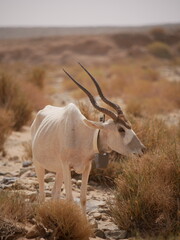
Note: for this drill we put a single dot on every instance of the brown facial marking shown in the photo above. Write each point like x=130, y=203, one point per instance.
x=121, y=119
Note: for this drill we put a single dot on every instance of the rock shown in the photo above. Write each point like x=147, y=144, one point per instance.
x=3, y=174
x=15, y=174
x=93, y=223
x=9, y=180
x=107, y=226
x=27, y=164
x=79, y=182
x=4, y=186
x=97, y=216
x=23, y=170
x=29, y=173
x=102, y=204
x=104, y=217
x=49, y=177
x=100, y=233
x=14, y=158
x=25, y=183
x=48, y=193
x=33, y=232
x=29, y=194
x=117, y=234
x=90, y=188
x=92, y=204
x=106, y=211
x=95, y=184
x=74, y=181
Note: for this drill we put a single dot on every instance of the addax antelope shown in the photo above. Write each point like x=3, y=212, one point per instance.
x=63, y=139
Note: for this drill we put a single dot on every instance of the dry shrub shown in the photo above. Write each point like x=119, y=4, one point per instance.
x=155, y=134
x=10, y=231
x=106, y=177
x=88, y=110
x=35, y=96
x=169, y=237
x=6, y=123
x=148, y=190
x=63, y=220
x=14, y=206
x=169, y=37
x=158, y=34
x=14, y=99
x=37, y=77
x=92, y=47
x=151, y=74
x=145, y=97
x=28, y=150
x=126, y=40
x=160, y=49
x=135, y=108
x=84, y=79
x=22, y=111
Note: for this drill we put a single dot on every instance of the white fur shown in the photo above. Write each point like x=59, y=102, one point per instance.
x=62, y=139
x=129, y=134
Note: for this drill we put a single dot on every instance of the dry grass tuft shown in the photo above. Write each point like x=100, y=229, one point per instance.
x=13, y=206
x=88, y=110
x=35, y=96
x=22, y=111
x=148, y=190
x=6, y=123
x=63, y=220
x=13, y=98
x=37, y=77
x=106, y=177
x=28, y=150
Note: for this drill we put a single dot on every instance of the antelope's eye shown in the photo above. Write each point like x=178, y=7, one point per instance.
x=121, y=130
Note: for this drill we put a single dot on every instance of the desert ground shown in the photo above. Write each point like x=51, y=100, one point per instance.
x=140, y=71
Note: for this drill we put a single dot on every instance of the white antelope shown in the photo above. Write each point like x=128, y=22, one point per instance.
x=63, y=139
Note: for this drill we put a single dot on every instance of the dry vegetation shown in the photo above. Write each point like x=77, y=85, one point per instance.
x=59, y=220
x=18, y=98
x=64, y=220
x=147, y=195
x=5, y=126
x=159, y=49
x=146, y=198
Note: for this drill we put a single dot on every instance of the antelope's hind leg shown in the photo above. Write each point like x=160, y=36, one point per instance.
x=57, y=185
x=67, y=181
x=40, y=172
x=85, y=177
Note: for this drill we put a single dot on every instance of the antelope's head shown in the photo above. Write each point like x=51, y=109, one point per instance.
x=117, y=131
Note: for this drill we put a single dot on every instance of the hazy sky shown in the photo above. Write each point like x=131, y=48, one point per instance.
x=88, y=12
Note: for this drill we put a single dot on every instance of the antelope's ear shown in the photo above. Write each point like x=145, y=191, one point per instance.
x=92, y=124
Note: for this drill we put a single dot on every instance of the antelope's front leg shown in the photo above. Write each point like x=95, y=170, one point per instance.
x=85, y=176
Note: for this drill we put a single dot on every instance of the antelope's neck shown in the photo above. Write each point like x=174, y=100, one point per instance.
x=100, y=142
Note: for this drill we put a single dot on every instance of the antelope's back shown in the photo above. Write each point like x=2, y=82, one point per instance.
x=54, y=131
